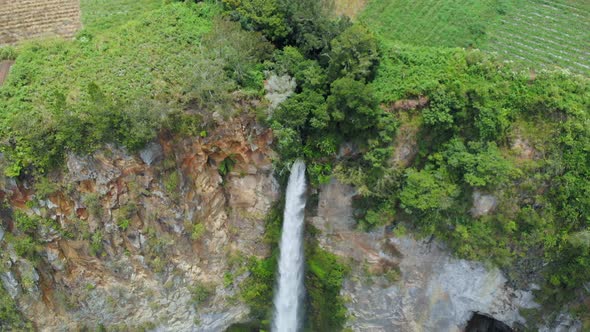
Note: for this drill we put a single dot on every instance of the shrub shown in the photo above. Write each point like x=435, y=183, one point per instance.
x=201, y=293
x=123, y=224
x=96, y=243
x=26, y=223
x=24, y=246
x=10, y=316
x=428, y=190
x=197, y=231
x=44, y=187
x=93, y=204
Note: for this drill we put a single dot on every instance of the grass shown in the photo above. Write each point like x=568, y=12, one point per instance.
x=124, y=61
x=532, y=33
x=433, y=22
x=104, y=14
x=136, y=70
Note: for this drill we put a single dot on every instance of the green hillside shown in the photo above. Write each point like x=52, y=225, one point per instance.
x=534, y=33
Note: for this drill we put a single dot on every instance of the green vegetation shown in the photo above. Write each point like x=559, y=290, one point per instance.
x=257, y=290
x=98, y=15
x=485, y=126
x=123, y=224
x=197, y=231
x=96, y=243
x=471, y=138
x=201, y=293
x=93, y=204
x=121, y=85
x=226, y=165
x=323, y=280
x=534, y=33
x=10, y=317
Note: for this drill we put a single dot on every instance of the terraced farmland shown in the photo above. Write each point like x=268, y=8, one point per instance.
x=534, y=33
x=547, y=32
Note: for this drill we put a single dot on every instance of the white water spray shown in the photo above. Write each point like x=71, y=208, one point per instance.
x=287, y=301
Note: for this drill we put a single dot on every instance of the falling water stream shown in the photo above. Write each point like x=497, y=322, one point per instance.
x=288, y=298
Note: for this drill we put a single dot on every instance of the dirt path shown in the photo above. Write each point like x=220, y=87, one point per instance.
x=349, y=8
x=4, y=68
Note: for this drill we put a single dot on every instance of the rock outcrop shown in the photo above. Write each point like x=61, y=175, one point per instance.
x=154, y=240
x=399, y=283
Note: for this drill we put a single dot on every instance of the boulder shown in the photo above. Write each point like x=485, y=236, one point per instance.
x=10, y=284
x=278, y=89
x=152, y=153
x=483, y=204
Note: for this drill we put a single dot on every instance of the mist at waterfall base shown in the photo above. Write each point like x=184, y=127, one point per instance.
x=290, y=293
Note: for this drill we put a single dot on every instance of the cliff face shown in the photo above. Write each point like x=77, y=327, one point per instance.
x=152, y=240
x=398, y=283
x=160, y=239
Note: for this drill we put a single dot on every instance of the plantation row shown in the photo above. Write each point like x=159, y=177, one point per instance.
x=534, y=33
x=545, y=33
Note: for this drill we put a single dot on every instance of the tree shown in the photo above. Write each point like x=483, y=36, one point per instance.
x=308, y=73
x=480, y=164
x=238, y=50
x=354, y=54
x=306, y=106
x=428, y=191
x=260, y=15
x=312, y=26
x=352, y=107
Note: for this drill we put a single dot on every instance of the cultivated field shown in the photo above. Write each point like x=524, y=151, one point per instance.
x=549, y=32
x=536, y=33
x=433, y=22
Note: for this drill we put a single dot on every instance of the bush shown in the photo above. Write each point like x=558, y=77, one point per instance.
x=201, y=293
x=197, y=231
x=25, y=223
x=323, y=281
x=354, y=54
x=93, y=204
x=10, y=316
x=123, y=224
x=25, y=246
x=428, y=190
x=44, y=188
x=96, y=243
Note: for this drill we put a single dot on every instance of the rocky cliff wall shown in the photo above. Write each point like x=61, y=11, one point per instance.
x=25, y=19
x=398, y=283
x=155, y=240
x=160, y=240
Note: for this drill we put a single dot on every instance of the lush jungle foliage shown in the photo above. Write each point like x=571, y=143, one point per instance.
x=332, y=61
x=485, y=128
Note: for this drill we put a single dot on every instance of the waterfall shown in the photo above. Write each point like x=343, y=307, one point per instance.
x=288, y=298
